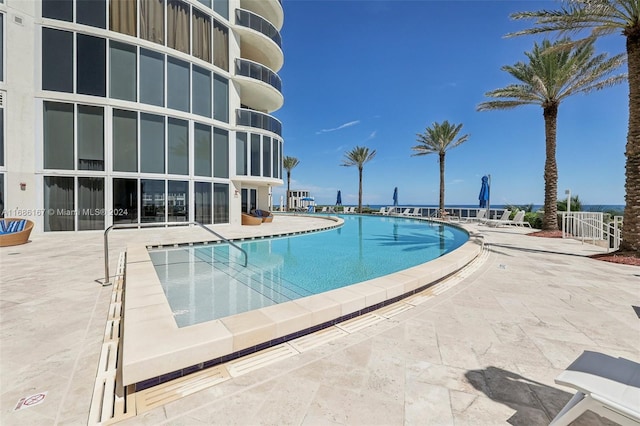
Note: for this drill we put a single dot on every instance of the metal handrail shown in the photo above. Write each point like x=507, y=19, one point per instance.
x=155, y=225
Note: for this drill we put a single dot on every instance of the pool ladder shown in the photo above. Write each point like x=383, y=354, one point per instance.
x=156, y=225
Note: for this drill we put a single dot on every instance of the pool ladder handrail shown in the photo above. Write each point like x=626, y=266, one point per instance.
x=156, y=225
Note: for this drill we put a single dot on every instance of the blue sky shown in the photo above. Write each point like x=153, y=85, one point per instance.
x=375, y=73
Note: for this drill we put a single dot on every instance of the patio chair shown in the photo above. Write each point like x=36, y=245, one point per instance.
x=605, y=385
x=516, y=221
x=479, y=217
x=382, y=211
x=501, y=220
x=248, y=219
x=14, y=231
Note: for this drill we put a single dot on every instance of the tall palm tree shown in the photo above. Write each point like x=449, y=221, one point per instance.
x=606, y=17
x=289, y=163
x=358, y=156
x=551, y=75
x=438, y=139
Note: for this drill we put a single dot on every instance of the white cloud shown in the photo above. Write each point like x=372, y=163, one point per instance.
x=340, y=127
x=372, y=135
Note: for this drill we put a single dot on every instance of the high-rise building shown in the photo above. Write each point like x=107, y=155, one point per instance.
x=136, y=111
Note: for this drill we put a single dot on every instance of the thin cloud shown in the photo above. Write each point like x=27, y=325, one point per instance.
x=372, y=135
x=342, y=126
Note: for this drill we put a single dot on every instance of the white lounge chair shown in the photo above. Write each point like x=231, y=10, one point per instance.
x=480, y=215
x=496, y=222
x=516, y=221
x=605, y=385
x=383, y=211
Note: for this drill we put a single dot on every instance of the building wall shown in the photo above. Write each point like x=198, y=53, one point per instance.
x=95, y=134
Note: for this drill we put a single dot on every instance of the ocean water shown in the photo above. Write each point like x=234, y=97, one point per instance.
x=536, y=207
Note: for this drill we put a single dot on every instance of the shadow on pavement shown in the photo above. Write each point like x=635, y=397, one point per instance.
x=534, y=403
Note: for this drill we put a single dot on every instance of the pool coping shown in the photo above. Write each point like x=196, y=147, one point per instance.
x=156, y=350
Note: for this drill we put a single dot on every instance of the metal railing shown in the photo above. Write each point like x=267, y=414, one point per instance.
x=259, y=120
x=249, y=19
x=251, y=69
x=157, y=225
x=590, y=226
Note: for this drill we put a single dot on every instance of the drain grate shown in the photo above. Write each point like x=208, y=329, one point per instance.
x=358, y=323
x=157, y=396
x=316, y=339
x=260, y=359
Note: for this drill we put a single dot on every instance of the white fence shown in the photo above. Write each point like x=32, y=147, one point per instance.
x=591, y=226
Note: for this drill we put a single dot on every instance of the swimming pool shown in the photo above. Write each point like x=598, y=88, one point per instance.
x=207, y=282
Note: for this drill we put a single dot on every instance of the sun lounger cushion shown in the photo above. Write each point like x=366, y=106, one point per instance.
x=12, y=227
x=606, y=385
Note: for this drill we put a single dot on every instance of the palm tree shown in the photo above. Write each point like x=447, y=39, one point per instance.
x=438, y=139
x=289, y=163
x=358, y=156
x=551, y=75
x=606, y=17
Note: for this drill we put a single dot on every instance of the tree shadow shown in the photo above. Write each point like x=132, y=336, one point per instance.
x=534, y=403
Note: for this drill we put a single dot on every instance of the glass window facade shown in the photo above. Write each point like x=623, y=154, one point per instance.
x=92, y=12
x=125, y=141
x=122, y=75
x=58, y=203
x=255, y=155
x=178, y=201
x=125, y=200
x=177, y=84
x=152, y=200
x=221, y=98
x=220, y=153
x=123, y=17
x=90, y=138
x=166, y=150
x=57, y=60
x=151, y=143
x=58, y=135
x=202, y=202
x=91, y=209
x=152, y=20
x=201, y=91
x=91, y=65
x=202, y=150
x=58, y=9
x=241, y=154
x=220, y=203
x=178, y=146
x=178, y=21
x=152, y=85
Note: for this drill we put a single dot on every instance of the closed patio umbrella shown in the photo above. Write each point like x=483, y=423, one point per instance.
x=484, y=192
x=395, y=197
x=339, y=198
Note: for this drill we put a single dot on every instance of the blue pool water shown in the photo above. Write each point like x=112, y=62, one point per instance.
x=207, y=282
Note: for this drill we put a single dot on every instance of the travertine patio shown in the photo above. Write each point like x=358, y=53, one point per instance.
x=484, y=352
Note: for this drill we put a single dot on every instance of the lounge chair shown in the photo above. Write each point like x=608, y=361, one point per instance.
x=248, y=219
x=411, y=211
x=14, y=231
x=480, y=215
x=382, y=211
x=497, y=222
x=517, y=219
x=605, y=385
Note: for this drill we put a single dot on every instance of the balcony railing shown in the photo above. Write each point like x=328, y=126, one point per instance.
x=251, y=20
x=259, y=120
x=259, y=72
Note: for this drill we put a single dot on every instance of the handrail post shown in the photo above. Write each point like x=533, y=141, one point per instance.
x=156, y=224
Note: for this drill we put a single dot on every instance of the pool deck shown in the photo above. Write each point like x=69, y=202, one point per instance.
x=485, y=351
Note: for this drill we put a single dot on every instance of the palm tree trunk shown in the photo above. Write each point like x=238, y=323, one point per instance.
x=550, y=220
x=441, y=204
x=288, y=190
x=360, y=190
x=631, y=225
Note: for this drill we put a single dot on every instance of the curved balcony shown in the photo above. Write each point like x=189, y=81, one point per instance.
x=271, y=10
x=258, y=120
x=261, y=89
x=260, y=41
